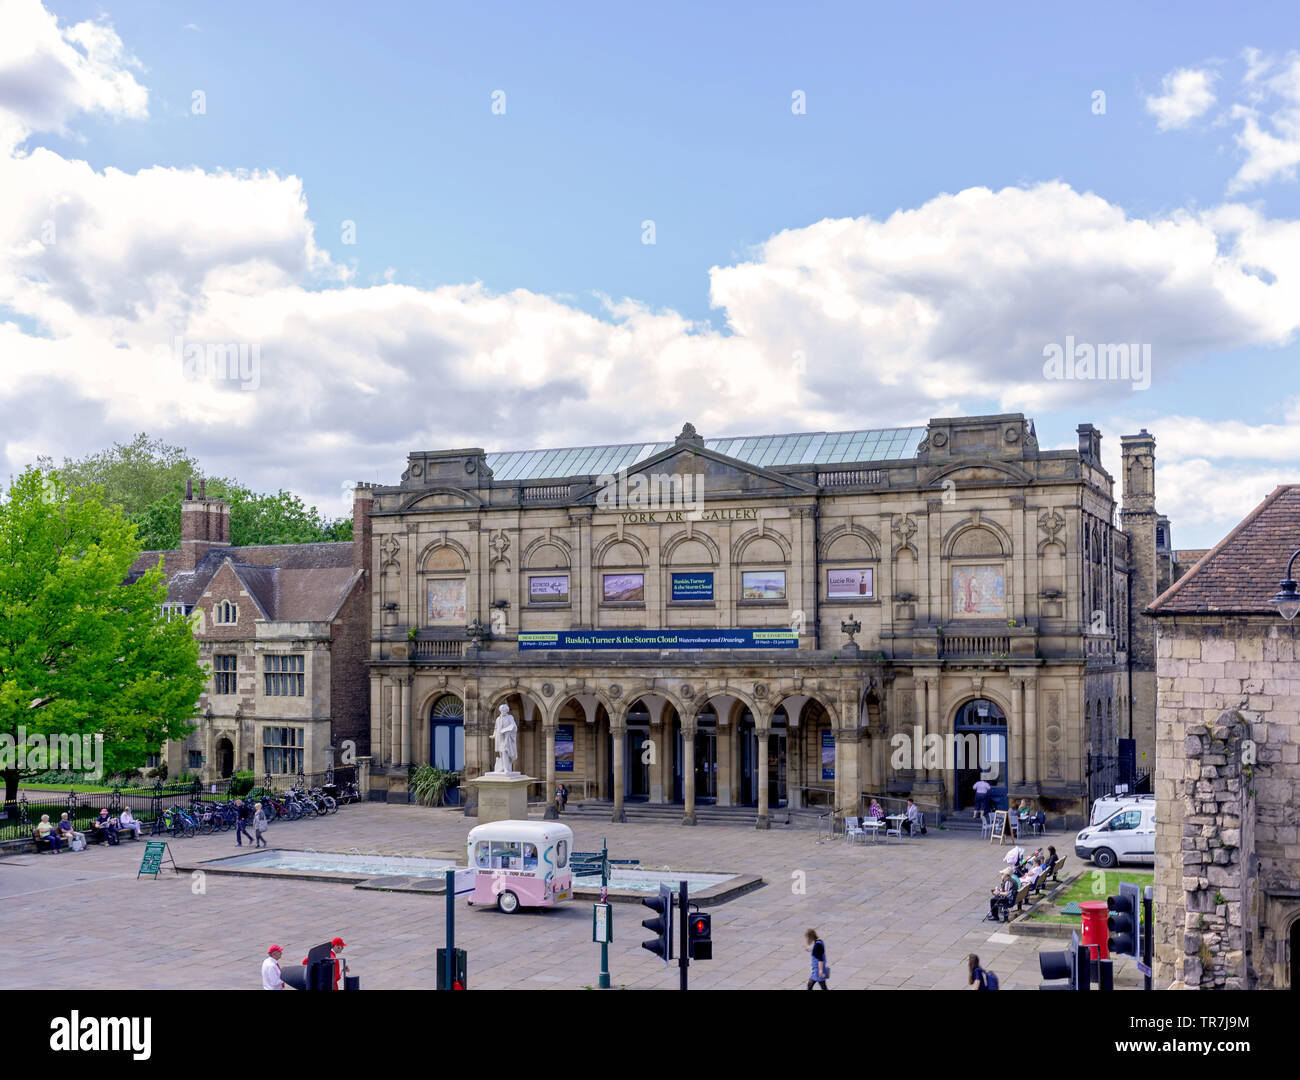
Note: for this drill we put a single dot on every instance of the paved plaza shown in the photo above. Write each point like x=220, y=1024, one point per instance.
x=898, y=916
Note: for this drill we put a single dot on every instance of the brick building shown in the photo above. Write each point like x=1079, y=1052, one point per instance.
x=284, y=630
x=1227, y=886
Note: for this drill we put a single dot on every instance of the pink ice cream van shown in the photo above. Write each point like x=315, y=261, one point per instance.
x=520, y=864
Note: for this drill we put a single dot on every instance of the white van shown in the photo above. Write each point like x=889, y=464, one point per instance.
x=1108, y=804
x=1128, y=835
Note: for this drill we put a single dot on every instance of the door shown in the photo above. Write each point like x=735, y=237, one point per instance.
x=447, y=740
x=637, y=780
x=776, y=790
x=225, y=758
x=980, y=750
x=706, y=766
x=1120, y=834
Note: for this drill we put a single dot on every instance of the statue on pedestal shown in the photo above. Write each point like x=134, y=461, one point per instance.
x=503, y=737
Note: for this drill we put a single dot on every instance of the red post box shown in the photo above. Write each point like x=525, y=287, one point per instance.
x=1095, y=931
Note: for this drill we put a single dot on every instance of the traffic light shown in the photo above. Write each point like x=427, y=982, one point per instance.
x=701, y=936
x=661, y=925
x=1070, y=964
x=1123, y=921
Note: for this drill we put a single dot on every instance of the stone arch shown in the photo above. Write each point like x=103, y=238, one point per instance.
x=744, y=542
x=601, y=552
x=426, y=702
x=441, y=498
x=842, y=536
x=826, y=704
x=535, y=551
x=632, y=694
x=984, y=693
x=563, y=697
x=525, y=693
x=443, y=544
x=668, y=552
x=705, y=694
x=976, y=537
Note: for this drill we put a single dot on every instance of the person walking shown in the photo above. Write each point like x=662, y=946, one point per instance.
x=241, y=822
x=259, y=825
x=821, y=970
x=982, y=789
x=272, y=979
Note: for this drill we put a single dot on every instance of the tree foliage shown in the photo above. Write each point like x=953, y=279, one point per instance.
x=80, y=651
x=146, y=478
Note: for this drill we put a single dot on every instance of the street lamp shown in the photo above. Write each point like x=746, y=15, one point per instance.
x=1288, y=597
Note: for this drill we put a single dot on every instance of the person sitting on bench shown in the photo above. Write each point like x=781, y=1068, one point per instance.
x=45, y=831
x=1003, y=897
x=129, y=823
x=106, y=827
x=70, y=836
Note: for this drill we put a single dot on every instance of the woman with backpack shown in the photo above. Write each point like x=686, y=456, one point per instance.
x=821, y=970
x=986, y=979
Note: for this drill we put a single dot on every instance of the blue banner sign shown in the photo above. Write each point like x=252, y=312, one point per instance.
x=692, y=587
x=658, y=639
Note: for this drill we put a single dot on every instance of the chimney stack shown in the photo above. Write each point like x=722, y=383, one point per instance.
x=205, y=524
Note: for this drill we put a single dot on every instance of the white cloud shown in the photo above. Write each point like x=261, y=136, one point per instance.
x=1186, y=94
x=48, y=75
x=1269, y=140
x=935, y=310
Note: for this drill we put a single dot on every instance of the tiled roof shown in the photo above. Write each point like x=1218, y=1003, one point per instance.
x=289, y=582
x=803, y=448
x=1240, y=574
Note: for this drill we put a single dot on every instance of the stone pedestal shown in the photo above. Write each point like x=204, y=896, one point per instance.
x=502, y=796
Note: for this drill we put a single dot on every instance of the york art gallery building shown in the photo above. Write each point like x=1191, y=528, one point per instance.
x=667, y=621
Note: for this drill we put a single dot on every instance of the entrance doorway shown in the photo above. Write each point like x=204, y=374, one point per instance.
x=980, y=749
x=225, y=758
x=750, y=762
x=1295, y=953
x=447, y=739
x=706, y=760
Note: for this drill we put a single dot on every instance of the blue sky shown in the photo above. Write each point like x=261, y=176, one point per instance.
x=682, y=115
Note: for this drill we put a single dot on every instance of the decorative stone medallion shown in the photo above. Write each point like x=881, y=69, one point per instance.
x=687, y=691
x=547, y=689
x=615, y=690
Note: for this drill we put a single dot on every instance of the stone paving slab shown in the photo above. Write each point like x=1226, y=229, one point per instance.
x=902, y=915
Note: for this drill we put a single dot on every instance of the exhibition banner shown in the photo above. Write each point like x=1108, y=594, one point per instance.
x=693, y=638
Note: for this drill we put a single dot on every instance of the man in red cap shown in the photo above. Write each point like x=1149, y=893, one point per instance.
x=271, y=978
x=337, y=945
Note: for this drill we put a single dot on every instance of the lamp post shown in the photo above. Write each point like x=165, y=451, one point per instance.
x=1288, y=596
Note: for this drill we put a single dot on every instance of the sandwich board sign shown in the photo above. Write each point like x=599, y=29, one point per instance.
x=151, y=862
x=999, y=826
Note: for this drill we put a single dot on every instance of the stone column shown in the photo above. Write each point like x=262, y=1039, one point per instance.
x=762, y=729
x=688, y=770
x=1031, y=731
x=1016, y=739
x=406, y=721
x=395, y=722
x=931, y=723
x=618, y=742
x=548, y=729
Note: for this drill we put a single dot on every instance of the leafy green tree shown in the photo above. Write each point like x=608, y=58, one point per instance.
x=146, y=477
x=81, y=652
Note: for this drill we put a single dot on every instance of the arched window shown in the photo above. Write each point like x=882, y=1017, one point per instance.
x=227, y=613
x=447, y=733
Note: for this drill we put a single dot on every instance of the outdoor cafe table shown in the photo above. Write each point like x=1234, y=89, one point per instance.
x=898, y=820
